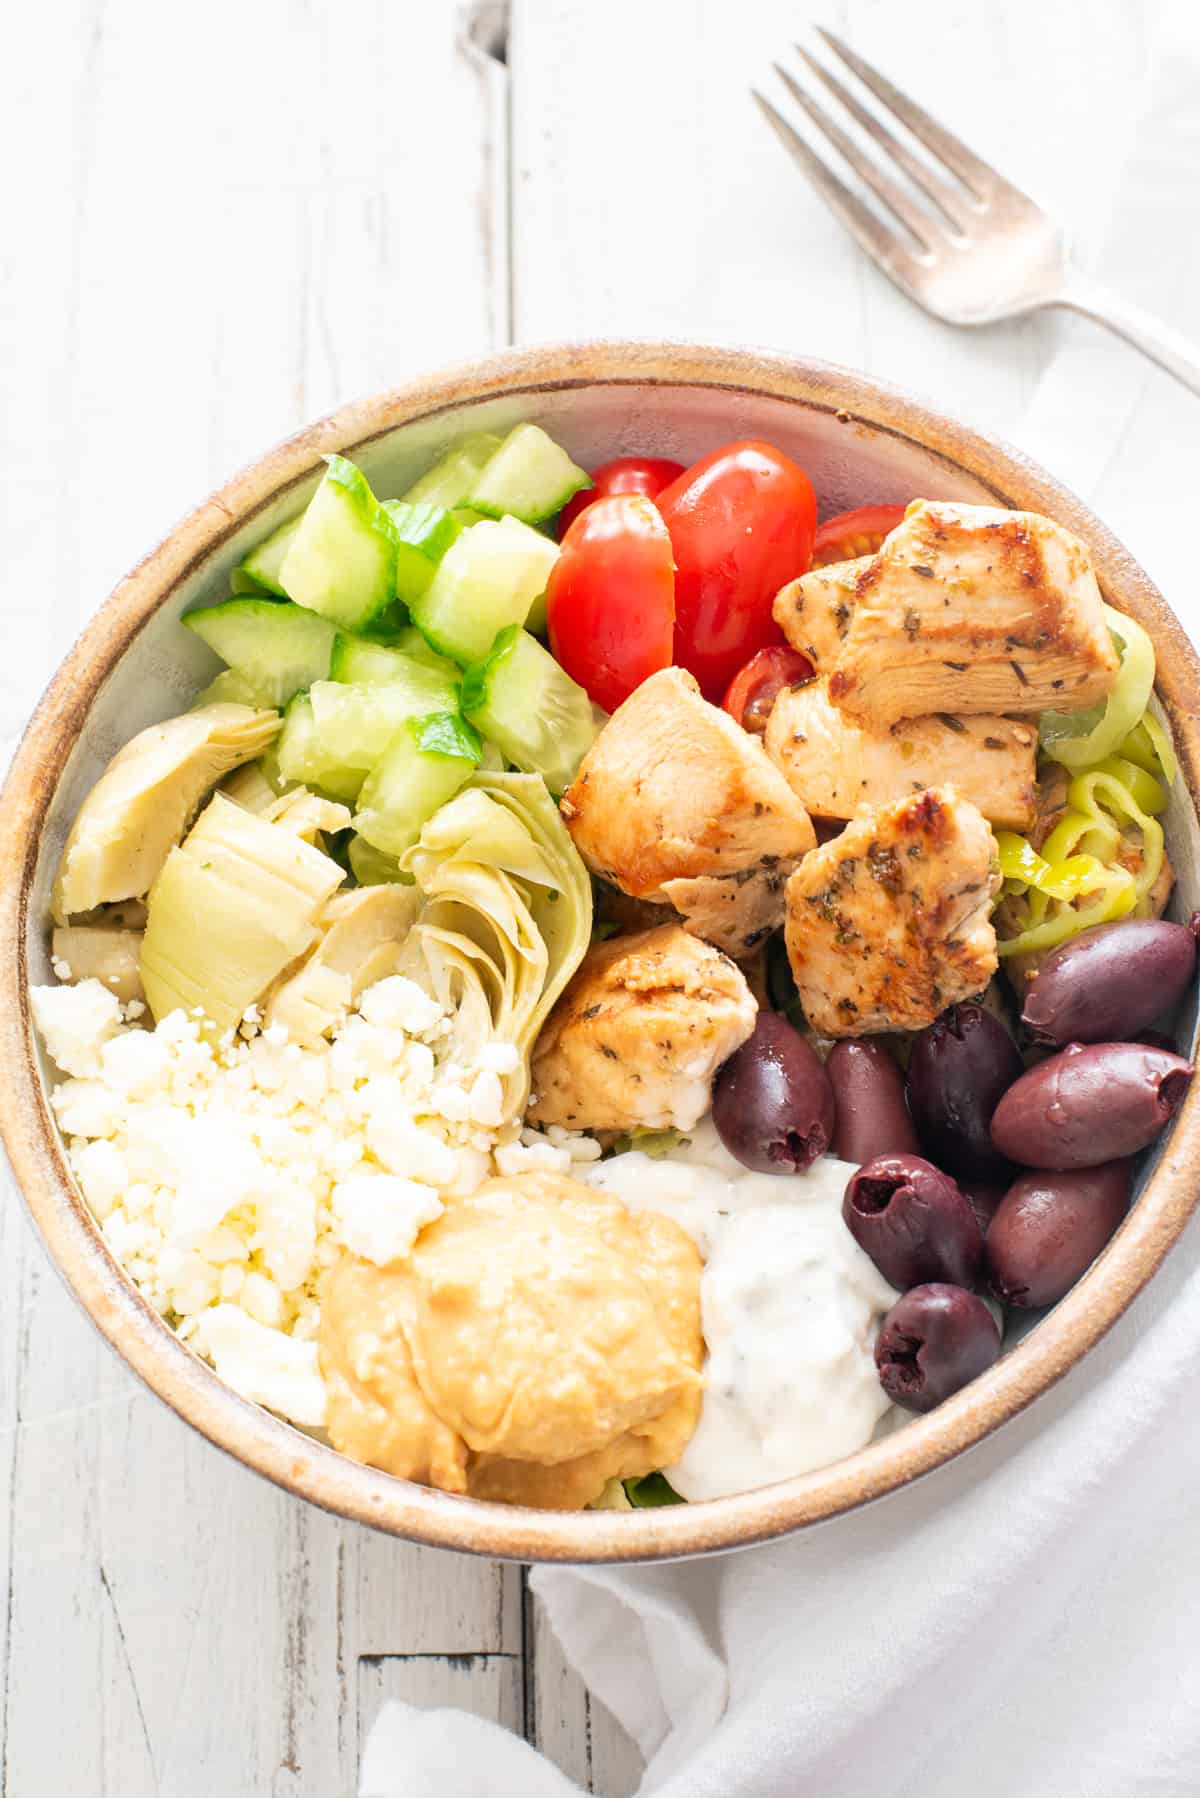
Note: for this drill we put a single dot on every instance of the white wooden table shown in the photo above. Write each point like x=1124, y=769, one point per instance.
x=219, y=222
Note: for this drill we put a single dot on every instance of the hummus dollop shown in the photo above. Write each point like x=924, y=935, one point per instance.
x=537, y=1341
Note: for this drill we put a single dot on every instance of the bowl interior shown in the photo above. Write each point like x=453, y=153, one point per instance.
x=851, y=460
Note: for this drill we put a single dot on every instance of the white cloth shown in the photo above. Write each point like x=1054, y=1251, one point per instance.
x=1025, y=1620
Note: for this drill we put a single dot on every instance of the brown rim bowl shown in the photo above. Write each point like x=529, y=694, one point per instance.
x=861, y=441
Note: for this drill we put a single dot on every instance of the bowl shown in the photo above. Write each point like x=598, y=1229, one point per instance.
x=860, y=440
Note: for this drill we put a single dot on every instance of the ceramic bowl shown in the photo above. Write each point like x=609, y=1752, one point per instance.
x=859, y=441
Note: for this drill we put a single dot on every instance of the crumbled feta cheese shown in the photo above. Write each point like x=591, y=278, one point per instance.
x=135, y=1062
x=380, y=1216
x=499, y=1058
x=75, y=1022
x=264, y=1365
x=487, y=1100
x=101, y=1171
x=399, y=1004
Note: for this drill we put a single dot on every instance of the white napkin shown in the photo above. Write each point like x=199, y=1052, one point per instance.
x=1026, y=1619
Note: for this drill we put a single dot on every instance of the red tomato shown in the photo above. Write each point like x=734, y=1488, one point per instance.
x=755, y=688
x=857, y=533
x=628, y=474
x=610, y=604
x=742, y=521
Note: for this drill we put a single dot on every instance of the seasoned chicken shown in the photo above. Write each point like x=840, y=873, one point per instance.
x=835, y=765
x=674, y=802
x=814, y=611
x=889, y=924
x=637, y=1036
x=965, y=609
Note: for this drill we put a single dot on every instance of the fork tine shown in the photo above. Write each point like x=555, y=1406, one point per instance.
x=972, y=171
x=913, y=217
x=879, y=243
x=951, y=203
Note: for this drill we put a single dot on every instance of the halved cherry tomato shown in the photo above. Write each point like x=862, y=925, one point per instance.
x=857, y=533
x=742, y=522
x=755, y=688
x=610, y=604
x=627, y=474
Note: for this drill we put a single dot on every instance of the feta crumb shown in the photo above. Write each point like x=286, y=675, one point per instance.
x=62, y=968
x=487, y=1100
x=101, y=1171
x=499, y=1058
x=75, y=1022
x=380, y=1216
x=399, y=1004
x=135, y=1009
x=264, y=1365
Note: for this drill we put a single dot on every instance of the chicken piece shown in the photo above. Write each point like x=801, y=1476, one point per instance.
x=636, y=1038
x=889, y=924
x=144, y=801
x=814, y=611
x=835, y=765
x=965, y=609
x=675, y=802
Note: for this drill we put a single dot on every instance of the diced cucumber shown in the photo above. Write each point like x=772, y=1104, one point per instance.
x=423, y=533
x=426, y=765
x=529, y=477
x=354, y=726
x=521, y=699
x=231, y=688
x=536, y=623
x=297, y=758
x=361, y=660
x=259, y=572
x=342, y=560
x=450, y=479
x=276, y=646
x=488, y=580
x=371, y=867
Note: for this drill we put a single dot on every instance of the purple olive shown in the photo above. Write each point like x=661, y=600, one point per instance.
x=872, y=1112
x=1049, y=1229
x=1108, y=983
x=913, y=1222
x=1090, y=1104
x=932, y=1342
x=772, y=1104
x=959, y=1068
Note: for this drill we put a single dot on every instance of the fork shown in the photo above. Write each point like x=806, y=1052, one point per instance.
x=979, y=250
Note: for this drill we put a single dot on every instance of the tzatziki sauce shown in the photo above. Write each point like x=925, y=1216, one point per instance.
x=790, y=1306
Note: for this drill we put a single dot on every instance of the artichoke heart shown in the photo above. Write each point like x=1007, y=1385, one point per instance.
x=146, y=798
x=364, y=932
x=102, y=952
x=299, y=810
x=234, y=905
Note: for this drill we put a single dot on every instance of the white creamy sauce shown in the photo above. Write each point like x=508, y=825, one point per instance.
x=790, y=1307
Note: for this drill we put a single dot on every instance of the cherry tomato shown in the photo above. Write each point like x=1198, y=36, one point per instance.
x=742, y=521
x=628, y=474
x=857, y=533
x=755, y=688
x=610, y=604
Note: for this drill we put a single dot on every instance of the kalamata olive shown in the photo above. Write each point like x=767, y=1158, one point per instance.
x=1111, y=981
x=1090, y=1103
x=772, y=1102
x=913, y=1222
x=1049, y=1229
x=872, y=1112
x=932, y=1342
x=958, y=1070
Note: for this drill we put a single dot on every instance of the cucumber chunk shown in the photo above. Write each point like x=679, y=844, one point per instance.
x=277, y=647
x=371, y=867
x=354, y=726
x=342, y=560
x=521, y=700
x=423, y=533
x=450, y=479
x=529, y=477
x=259, y=572
x=488, y=580
x=231, y=688
x=426, y=765
x=367, y=663
x=297, y=759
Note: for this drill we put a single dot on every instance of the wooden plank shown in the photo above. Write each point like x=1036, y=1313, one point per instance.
x=569, y=1725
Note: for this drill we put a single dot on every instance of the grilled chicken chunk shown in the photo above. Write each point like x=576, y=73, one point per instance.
x=966, y=609
x=637, y=1036
x=835, y=765
x=888, y=924
x=814, y=611
x=675, y=803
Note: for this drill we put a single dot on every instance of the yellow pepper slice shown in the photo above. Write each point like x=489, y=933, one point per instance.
x=1080, y=739
x=1102, y=795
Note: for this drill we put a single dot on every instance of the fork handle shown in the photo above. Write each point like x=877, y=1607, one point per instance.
x=1156, y=340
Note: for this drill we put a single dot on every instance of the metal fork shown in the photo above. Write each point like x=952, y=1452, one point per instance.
x=979, y=249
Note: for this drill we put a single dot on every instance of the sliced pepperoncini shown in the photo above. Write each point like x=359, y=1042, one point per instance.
x=1080, y=739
